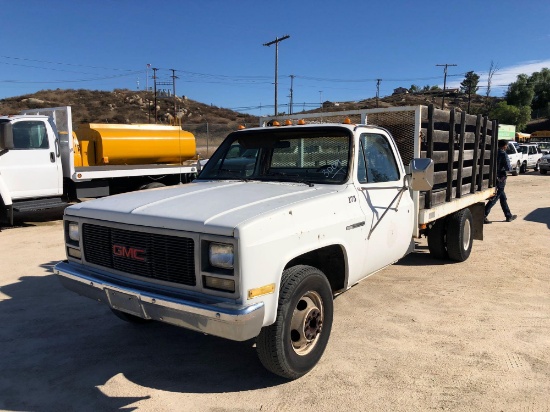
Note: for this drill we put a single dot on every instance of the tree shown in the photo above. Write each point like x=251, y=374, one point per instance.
x=541, y=89
x=470, y=83
x=493, y=68
x=414, y=88
x=508, y=114
x=521, y=92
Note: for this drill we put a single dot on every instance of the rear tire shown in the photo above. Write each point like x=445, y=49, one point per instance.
x=543, y=171
x=293, y=345
x=459, y=235
x=437, y=240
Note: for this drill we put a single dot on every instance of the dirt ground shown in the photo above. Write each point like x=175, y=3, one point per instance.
x=420, y=335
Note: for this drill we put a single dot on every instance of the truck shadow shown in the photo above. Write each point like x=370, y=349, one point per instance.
x=63, y=348
x=540, y=215
x=34, y=218
x=421, y=257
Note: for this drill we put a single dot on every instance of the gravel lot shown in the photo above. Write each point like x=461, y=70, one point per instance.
x=420, y=335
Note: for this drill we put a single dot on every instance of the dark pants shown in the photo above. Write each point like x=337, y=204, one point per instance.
x=500, y=195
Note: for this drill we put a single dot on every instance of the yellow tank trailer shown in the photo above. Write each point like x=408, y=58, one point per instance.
x=134, y=144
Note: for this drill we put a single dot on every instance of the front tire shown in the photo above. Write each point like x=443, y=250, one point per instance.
x=515, y=170
x=460, y=235
x=543, y=171
x=293, y=345
x=523, y=168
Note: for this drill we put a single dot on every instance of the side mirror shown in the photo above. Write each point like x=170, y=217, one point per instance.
x=422, y=174
x=6, y=136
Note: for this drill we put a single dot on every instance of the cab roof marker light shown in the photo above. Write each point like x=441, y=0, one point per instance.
x=301, y=122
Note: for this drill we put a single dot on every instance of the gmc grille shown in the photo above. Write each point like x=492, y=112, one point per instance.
x=154, y=256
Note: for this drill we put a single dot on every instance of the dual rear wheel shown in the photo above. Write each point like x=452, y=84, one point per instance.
x=451, y=237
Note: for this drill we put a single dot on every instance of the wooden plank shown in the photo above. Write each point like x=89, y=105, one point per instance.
x=442, y=136
x=482, y=152
x=430, y=146
x=494, y=136
x=476, y=148
x=459, y=178
x=442, y=157
x=441, y=177
x=450, y=155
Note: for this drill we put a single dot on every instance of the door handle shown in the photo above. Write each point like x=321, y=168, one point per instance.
x=52, y=157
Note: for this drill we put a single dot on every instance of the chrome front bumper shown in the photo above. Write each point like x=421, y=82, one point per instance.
x=227, y=320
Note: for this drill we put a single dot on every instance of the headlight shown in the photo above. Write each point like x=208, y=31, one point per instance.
x=221, y=255
x=73, y=232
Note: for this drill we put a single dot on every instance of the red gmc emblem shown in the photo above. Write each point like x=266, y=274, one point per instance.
x=129, y=252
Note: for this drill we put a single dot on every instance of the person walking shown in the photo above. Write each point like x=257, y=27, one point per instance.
x=503, y=166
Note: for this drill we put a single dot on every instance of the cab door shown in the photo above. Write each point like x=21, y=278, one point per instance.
x=385, y=200
x=32, y=168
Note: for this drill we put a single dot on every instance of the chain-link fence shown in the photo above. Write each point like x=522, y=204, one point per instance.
x=210, y=135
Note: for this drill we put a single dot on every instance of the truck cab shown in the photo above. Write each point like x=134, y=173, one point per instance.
x=30, y=160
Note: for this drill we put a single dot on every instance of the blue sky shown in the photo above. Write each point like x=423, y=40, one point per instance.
x=336, y=49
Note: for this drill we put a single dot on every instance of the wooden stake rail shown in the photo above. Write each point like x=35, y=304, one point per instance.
x=470, y=141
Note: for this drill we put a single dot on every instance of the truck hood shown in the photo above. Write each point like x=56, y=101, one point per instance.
x=202, y=207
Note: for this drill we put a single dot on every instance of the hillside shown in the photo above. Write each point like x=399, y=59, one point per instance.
x=127, y=106
x=122, y=106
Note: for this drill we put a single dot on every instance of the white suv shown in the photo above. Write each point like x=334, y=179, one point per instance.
x=516, y=157
x=531, y=156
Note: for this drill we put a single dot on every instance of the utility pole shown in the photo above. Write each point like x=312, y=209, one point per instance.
x=291, y=92
x=276, y=43
x=444, y=82
x=155, y=90
x=174, y=77
x=377, y=90
x=147, y=76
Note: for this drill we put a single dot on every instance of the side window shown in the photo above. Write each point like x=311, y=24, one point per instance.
x=376, y=160
x=30, y=135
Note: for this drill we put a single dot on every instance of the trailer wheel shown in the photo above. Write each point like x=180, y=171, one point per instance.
x=437, y=240
x=126, y=317
x=293, y=345
x=152, y=185
x=459, y=235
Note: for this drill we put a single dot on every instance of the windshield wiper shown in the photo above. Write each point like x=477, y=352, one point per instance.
x=290, y=178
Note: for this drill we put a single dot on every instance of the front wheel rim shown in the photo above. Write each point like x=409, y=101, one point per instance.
x=307, y=323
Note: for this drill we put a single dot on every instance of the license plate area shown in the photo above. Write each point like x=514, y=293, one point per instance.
x=125, y=302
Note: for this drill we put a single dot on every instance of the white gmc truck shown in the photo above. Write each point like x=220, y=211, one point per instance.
x=280, y=220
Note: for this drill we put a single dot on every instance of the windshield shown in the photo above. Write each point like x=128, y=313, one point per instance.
x=302, y=155
x=510, y=149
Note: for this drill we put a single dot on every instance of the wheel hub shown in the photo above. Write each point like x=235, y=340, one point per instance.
x=307, y=323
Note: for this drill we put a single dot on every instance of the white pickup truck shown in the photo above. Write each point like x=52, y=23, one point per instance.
x=280, y=220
